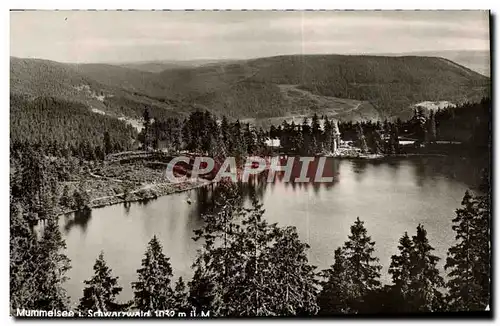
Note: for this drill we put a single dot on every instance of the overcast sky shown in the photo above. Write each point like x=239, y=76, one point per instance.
x=114, y=36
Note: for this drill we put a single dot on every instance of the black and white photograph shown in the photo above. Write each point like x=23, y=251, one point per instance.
x=201, y=164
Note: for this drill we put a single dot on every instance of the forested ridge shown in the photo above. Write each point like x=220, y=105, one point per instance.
x=250, y=88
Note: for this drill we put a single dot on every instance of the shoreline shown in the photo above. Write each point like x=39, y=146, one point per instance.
x=148, y=192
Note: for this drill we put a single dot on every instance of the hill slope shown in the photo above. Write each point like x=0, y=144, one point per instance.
x=342, y=86
x=476, y=60
x=108, y=89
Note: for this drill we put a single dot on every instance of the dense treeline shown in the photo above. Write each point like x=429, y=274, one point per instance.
x=202, y=133
x=313, y=136
x=63, y=128
x=248, y=267
x=468, y=123
x=35, y=184
x=319, y=135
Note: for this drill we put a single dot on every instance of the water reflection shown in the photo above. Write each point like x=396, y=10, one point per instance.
x=78, y=219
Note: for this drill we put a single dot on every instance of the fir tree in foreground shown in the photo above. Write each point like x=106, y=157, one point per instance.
x=353, y=278
x=152, y=291
x=52, y=267
x=38, y=264
x=401, y=271
x=247, y=267
x=23, y=265
x=334, y=296
x=468, y=262
x=180, y=297
x=416, y=278
x=101, y=290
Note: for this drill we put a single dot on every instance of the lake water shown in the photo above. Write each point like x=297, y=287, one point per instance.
x=391, y=196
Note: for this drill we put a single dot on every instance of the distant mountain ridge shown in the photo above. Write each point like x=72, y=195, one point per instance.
x=349, y=87
x=476, y=60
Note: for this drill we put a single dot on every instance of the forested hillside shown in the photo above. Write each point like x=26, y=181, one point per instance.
x=110, y=89
x=66, y=126
x=391, y=84
x=279, y=86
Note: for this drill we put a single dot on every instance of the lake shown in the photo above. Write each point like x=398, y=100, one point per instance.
x=391, y=195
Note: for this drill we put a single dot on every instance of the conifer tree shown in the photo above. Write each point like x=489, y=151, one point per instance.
x=250, y=140
x=152, y=291
x=224, y=128
x=401, y=270
x=364, y=268
x=353, y=277
x=23, y=261
x=431, y=128
x=335, y=295
x=468, y=260
x=248, y=267
x=420, y=121
x=426, y=281
x=328, y=136
x=67, y=200
x=180, y=296
x=81, y=197
x=361, y=140
x=108, y=146
x=101, y=290
x=315, y=126
x=52, y=267
x=146, y=117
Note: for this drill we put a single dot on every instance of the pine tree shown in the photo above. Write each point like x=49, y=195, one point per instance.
x=376, y=143
x=315, y=126
x=353, y=278
x=250, y=141
x=38, y=183
x=364, y=268
x=248, y=267
x=101, y=290
x=180, y=296
x=108, y=146
x=401, y=269
x=146, y=117
x=431, y=128
x=67, y=200
x=426, y=280
x=361, y=140
x=420, y=121
x=295, y=292
x=81, y=197
x=52, y=267
x=335, y=295
x=328, y=139
x=23, y=261
x=152, y=291
x=468, y=260
x=225, y=133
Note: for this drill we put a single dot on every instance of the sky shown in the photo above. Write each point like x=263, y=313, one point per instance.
x=128, y=36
